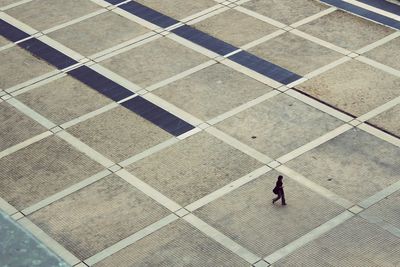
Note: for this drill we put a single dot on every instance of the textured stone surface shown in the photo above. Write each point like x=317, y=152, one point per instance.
x=354, y=165
x=44, y=14
x=63, y=99
x=356, y=243
x=354, y=87
x=19, y=248
x=346, y=30
x=16, y=127
x=275, y=125
x=384, y=54
x=291, y=52
x=154, y=61
x=98, y=216
x=7, y=2
x=41, y=170
x=3, y=41
x=388, y=120
x=177, y=244
x=247, y=215
x=104, y=30
x=193, y=168
x=235, y=27
x=18, y=66
x=217, y=90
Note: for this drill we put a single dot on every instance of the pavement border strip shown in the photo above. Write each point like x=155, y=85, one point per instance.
x=263, y=39
x=368, y=202
x=326, y=68
x=313, y=17
x=207, y=15
x=310, y=236
x=38, y=84
x=18, y=24
x=7, y=207
x=148, y=230
x=33, y=81
x=260, y=17
x=380, y=134
x=367, y=6
x=221, y=238
x=388, y=105
x=61, y=48
x=378, y=43
x=378, y=221
x=378, y=65
x=383, y=5
x=3, y=8
x=191, y=45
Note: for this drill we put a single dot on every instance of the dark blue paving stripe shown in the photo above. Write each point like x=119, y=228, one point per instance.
x=47, y=53
x=264, y=67
x=384, y=5
x=114, y=2
x=148, y=14
x=100, y=83
x=158, y=116
x=204, y=40
x=364, y=13
x=11, y=33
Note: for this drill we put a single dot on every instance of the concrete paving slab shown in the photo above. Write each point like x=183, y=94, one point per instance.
x=273, y=127
x=41, y=170
x=355, y=243
x=19, y=66
x=98, y=33
x=15, y=127
x=386, y=54
x=178, y=9
x=63, y=99
x=154, y=61
x=193, y=168
x=98, y=216
x=217, y=90
x=235, y=27
x=353, y=87
x=127, y=134
x=3, y=41
x=291, y=51
x=388, y=120
x=346, y=30
x=8, y=2
x=44, y=14
x=286, y=11
x=177, y=244
x=354, y=165
x=247, y=215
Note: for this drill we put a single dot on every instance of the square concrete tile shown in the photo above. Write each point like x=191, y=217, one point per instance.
x=16, y=127
x=285, y=11
x=235, y=27
x=295, y=53
x=346, y=30
x=41, y=170
x=178, y=9
x=355, y=243
x=154, y=61
x=3, y=41
x=274, y=126
x=119, y=134
x=248, y=216
x=44, y=14
x=217, y=90
x=63, y=99
x=19, y=66
x=388, y=54
x=354, y=165
x=193, y=168
x=98, y=216
x=388, y=120
x=353, y=87
x=98, y=33
x=177, y=244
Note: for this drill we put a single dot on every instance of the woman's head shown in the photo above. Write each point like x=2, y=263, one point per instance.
x=280, y=177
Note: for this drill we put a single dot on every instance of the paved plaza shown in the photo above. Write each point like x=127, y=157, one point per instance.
x=152, y=132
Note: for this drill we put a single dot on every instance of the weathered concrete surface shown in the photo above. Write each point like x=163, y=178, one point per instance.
x=388, y=120
x=386, y=53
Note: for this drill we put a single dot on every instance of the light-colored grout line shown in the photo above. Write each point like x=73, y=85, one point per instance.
x=313, y=144
x=368, y=202
x=7, y=46
x=85, y=149
x=260, y=17
x=31, y=113
x=7, y=207
x=374, y=9
x=227, y=188
x=222, y=239
x=102, y=3
x=16, y=23
x=315, y=187
x=181, y=75
x=238, y=145
x=327, y=67
x=24, y=144
x=380, y=134
x=243, y=107
x=213, y=11
x=131, y=239
x=191, y=45
x=382, y=224
x=189, y=133
x=310, y=236
x=262, y=39
x=89, y=115
x=148, y=190
x=49, y=242
x=378, y=65
x=51, y=199
x=313, y=17
x=378, y=43
x=4, y=8
x=392, y=103
x=38, y=84
x=149, y=152
x=318, y=105
x=32, y=81
x=136, y=19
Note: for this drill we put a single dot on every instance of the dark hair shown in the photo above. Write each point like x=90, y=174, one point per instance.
x=280, y=177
